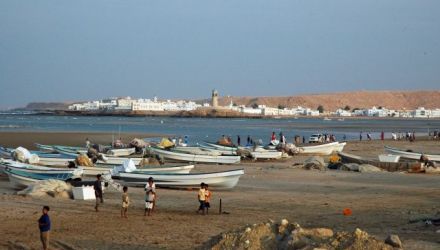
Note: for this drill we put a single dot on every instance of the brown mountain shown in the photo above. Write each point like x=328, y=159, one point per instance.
x=358, y=99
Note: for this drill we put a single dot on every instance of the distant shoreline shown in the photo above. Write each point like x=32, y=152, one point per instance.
x=212, y=113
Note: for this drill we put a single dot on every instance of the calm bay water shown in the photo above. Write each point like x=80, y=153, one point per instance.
x=199, y=129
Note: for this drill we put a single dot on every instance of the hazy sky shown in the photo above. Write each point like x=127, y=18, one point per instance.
x=81, y=50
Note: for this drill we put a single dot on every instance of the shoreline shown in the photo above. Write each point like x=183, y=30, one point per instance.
x=213, y=114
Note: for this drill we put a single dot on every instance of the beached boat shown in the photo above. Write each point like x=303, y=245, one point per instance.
x=389, y=166
x=261, y=153
x=52, y=148
x=340, y=147
x=22, y=175
x=229, y=150
x=185, y=157
x=411, y=155
x=268, y=154
x=196, y=150
x=389, y=158
x=110, y=160
x=215, y=180
x=323, y=149
x=178, y=169
x=121, y=151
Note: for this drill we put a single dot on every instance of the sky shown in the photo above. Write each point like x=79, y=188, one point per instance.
x=52, y=50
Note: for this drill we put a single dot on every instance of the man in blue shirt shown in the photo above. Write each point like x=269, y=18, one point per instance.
x=44, y=225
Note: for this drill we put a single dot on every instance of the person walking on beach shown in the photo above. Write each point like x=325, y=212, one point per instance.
x=97, y=186
x=248, y=142
x=125, y=202
x=369, y=136
x=87, y=143
x=201, y=196
x=208, y=195
x=282, y=138
x=304, y=139
x=238, y=140
x=382, y=135
x=44, y=226
x=360, y=136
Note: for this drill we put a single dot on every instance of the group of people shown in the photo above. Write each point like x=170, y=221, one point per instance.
x=204, y=197
x=408, y=136
x=150, y=196
x=435, y=135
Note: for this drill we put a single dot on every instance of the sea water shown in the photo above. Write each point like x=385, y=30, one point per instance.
x=210, y=129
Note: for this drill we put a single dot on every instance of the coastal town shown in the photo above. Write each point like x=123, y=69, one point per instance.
x=128, y=104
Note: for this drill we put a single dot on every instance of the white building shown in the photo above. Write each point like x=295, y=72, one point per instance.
x=379, y=112
x=342, y=112
x=146, y=105
x=421, y=112
x=311, y=112
x=249, y=110
x=124, y=103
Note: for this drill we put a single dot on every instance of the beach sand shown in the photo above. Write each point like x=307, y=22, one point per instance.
x=382, y=204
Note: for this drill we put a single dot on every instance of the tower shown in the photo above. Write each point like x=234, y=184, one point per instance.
x=214, y=98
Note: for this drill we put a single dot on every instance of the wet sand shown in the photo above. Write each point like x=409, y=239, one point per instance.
x=382, y=203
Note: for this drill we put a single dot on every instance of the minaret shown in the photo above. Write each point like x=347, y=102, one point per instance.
x=214, y=99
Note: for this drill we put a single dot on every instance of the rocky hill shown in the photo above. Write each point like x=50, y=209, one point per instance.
x=39, y=106
x=358, y=99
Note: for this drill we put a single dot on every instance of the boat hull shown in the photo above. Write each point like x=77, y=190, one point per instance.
x=93, y=171
x=324, y=149
x=388, y=166
x=217, y=180
x=175, y=156
x=411, y=155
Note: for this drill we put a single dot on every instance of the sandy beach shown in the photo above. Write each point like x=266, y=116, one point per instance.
x=382, y=203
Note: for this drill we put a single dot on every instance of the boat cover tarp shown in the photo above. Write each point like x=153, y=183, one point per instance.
x=127, y=166
x=165, y=143
x=23, y=155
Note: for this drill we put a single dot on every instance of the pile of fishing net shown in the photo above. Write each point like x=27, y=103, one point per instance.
x=83, y=160
x=52, y=188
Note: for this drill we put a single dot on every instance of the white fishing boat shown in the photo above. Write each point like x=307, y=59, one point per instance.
x=52, y=161
x=110, y=160
x=340, y=147
x=196, y=150
x=183, y=169
x=227, y=149
x=218, y=150
x=21, y=175
x=121, y=151
x=411, y=155
x=215, y=180
x=185, y=157
x=389, y=158
x=261, y=153
x=266, y=154
x=323, y=149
